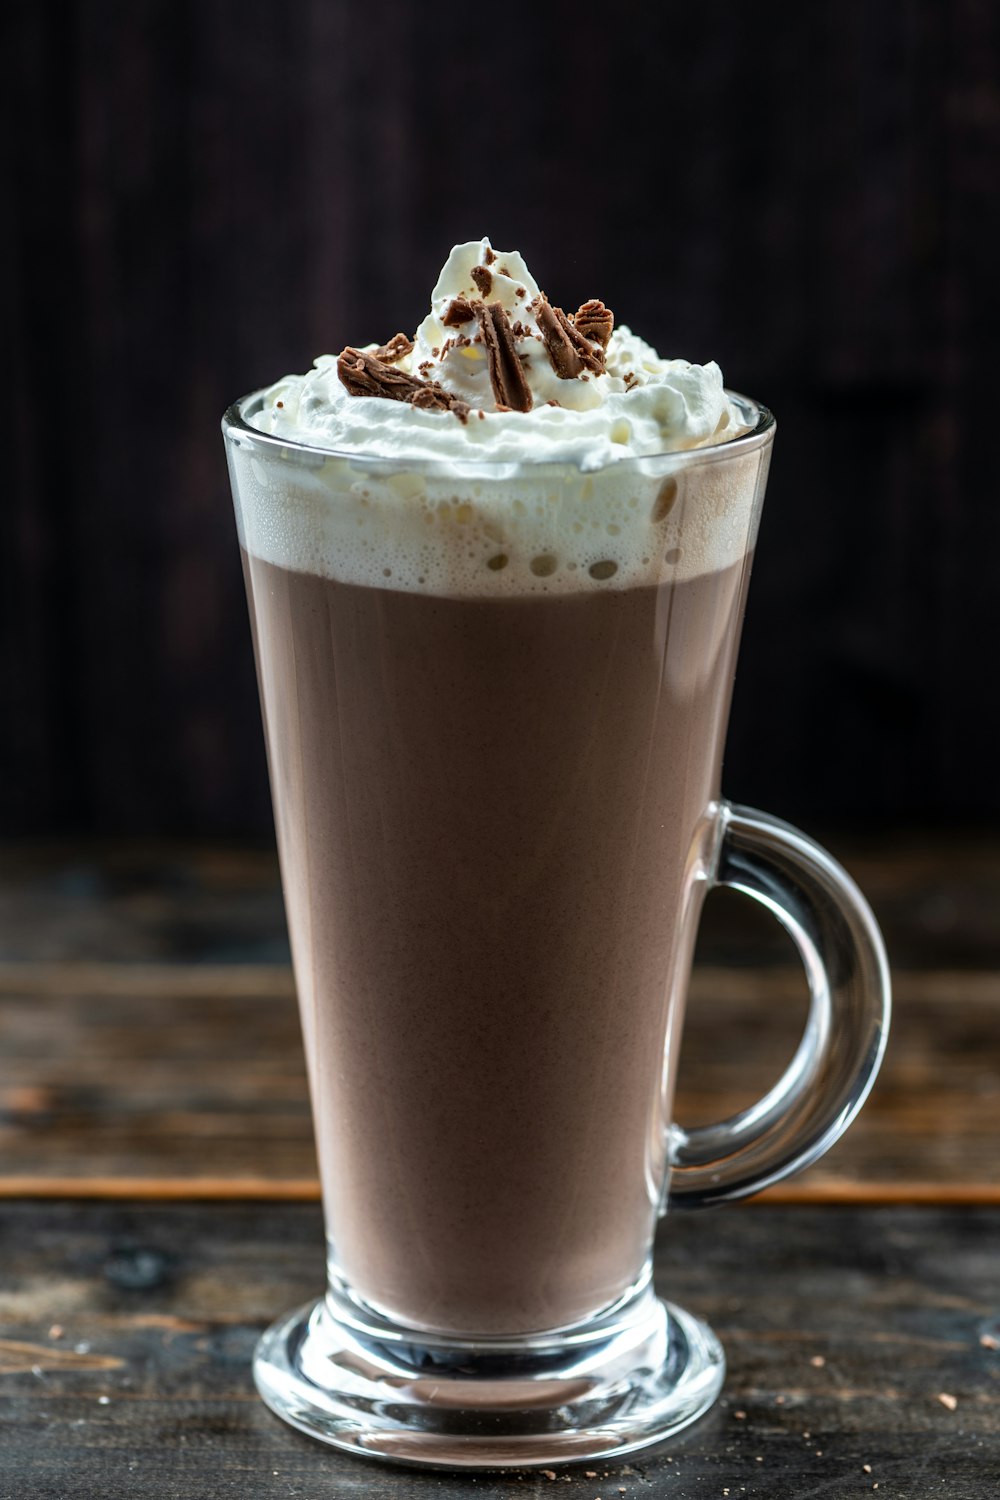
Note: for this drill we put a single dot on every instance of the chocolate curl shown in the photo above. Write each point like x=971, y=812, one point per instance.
x=510, y=387
x=595, y=322
x=363, y=374
x=569, y=351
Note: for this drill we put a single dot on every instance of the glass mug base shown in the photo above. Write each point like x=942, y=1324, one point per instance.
x=629, y=1379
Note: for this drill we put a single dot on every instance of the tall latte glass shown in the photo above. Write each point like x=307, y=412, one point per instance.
x=495, y=697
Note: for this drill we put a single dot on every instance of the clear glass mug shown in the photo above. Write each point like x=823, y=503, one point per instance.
x=495, y=699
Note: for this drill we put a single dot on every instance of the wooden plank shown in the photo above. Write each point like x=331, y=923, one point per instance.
x=936, y=896
x=843, y=1328
x=806, y=1191
x=170, y=1074
x=140, y=902
x=90, y=980
x=148, y=1031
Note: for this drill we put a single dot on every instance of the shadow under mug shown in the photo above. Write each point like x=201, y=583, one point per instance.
x=498, y=815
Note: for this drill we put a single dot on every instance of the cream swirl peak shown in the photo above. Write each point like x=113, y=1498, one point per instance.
x=486, y=306
x=497, y=372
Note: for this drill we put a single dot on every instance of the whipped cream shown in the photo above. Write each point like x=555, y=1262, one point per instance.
x=639, y=404
x=615, y=472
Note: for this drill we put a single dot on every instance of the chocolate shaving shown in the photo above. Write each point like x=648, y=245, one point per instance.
x=394, y=350
x=595, y=322
x=568, y=350
x=460, y=310
x=483, y=279
x=510, y=388
x=431, y=397
x=364, y=374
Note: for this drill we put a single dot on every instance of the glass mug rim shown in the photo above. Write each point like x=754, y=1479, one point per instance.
x=237, y=429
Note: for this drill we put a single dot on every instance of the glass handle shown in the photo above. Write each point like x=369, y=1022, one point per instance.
x=832, y=1072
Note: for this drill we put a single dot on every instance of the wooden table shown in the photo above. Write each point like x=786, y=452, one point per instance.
x=160, y=1202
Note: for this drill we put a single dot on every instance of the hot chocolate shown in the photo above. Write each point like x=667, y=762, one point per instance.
x=490, y=814
x=496, y=573
x=495, y=614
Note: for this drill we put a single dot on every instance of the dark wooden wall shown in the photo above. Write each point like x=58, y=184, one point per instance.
x=202, y=196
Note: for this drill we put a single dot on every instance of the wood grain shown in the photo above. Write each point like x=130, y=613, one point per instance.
x=149, y=1040
x=150, y=1056
x=141, y=901
x=842, y=1330
x=180, y=1074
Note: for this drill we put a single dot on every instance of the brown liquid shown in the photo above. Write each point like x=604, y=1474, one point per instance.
x=489, y=813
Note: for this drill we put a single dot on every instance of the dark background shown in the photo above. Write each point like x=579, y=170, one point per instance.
x=203, y=196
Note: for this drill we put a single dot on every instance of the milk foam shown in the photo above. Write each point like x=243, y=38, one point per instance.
x=609, y=481
x=529, y=529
